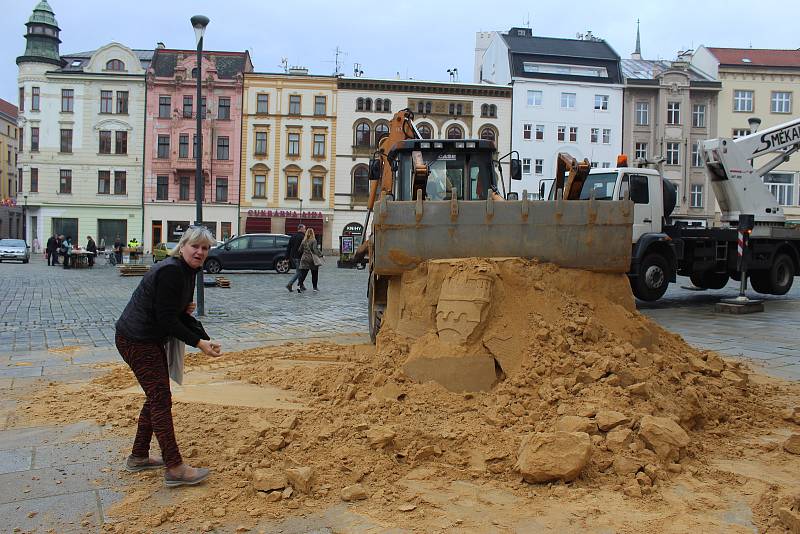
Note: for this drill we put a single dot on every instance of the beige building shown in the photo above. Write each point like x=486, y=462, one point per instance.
x=758, y=83
x=10, y=215
x=670, y=107
x=288, y=145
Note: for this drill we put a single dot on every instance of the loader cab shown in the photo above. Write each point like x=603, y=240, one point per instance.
x=461, y=169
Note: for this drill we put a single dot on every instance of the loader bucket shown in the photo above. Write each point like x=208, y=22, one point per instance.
x=592, y=235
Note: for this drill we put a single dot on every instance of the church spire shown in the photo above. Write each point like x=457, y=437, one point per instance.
x=41, y=36
x=637, y=54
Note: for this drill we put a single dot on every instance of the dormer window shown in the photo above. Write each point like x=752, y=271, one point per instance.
x=115, y=65
x=76, y=63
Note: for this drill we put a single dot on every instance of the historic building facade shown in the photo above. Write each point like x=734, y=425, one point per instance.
x=758, y=83
x=567, y=97
x=670, y=108
x=82, y=130
x=10, y=213
x=171, y=150
x=289, y=139
x=442, y=110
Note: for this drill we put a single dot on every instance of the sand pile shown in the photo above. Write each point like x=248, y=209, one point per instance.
x=495, y=371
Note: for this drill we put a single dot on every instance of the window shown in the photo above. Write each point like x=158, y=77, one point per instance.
x=317, y=188
x=387, y=104
x=163, y=107
x=34, y=99
x=162, y=187
x=573, y=134
x=34, y=180
x=319, y=105
x=492, y=110
x=224, y=108
x=122, y=102
x=21, y=99
x=488, y=134
x=606, y=165
x=699, y=116
x=381, y=131
x=428, y=107
x=293, y=148
x=105, y=142
x=538, y=166
x=455, y=132
x=697, y=157
x=294, y=104
x=673, y=112
x=367, y=104
x=540, y=132
x=120, y=182
x=740, y=132
x=222, y=189
x=67, y=99
x=780, y=102
x=452, y=109
x=291, y=186
x=360, y=183
x=103, y=182
x=568, y=100
x=115, y=64
x=163, y=147
x=459, y=109
x=319, y=145
x=223, y=148
x=673, y=153
x=203, y=108
x=562, y=132
x=188, y=106
x=183, y=146
x=594, y=135
x=527, y=131
x=262, y=103
x=378, y=105
x=225, y=228
x=640, y=151
x=183, y=188
x=194, y=146
x=696, y=197
x=601, y=102
x=21, y=137
x=781, y=185
x=106, y=101
x=642, y=113
x=261, y=143
x=534, y=98
x=65, y=182
x=360, y=105
x=485, y=110
x=743, y=100
x=526, y=165
x=34, y=139
x=121, y=142
x=606, y=136
x=362, y=134
x=260, y=186
x=66, y=141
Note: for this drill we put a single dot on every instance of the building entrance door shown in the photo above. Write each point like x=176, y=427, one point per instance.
x=156, y=234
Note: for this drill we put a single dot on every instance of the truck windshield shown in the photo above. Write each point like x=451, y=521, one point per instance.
x=601, y=183
x=463, y=175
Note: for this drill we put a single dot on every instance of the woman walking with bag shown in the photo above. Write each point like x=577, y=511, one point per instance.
x=160, y=309
x=310, y=260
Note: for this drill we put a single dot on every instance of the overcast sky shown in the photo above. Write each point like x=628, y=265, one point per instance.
x=418, y=39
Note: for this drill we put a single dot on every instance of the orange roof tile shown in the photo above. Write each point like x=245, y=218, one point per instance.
x=763, y=57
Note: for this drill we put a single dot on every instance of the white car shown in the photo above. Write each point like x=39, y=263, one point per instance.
x=14, y=249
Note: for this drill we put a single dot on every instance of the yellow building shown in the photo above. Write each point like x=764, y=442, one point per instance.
x=758, y=83
x=288, y=153
x=11, y=224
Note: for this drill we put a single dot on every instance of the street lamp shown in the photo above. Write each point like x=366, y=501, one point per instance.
x=199, y=23
x=25, y=218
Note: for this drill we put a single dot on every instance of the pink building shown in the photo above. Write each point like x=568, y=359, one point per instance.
x=170, y=142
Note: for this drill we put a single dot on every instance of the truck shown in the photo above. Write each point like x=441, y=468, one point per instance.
x=662, y=249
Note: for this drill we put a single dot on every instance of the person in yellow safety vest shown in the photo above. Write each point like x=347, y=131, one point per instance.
x=133, y=243
x=133, y=249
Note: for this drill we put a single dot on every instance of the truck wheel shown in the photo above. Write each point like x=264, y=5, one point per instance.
x=376, y=309
x=781, y=274
x=759, y=281
x=709, y=279
x=653, y=279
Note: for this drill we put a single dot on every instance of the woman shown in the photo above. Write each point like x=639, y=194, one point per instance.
x=159, y=308
x=310, y=260
x=66, y=247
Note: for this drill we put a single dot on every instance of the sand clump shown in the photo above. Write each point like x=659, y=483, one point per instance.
x=494, y=371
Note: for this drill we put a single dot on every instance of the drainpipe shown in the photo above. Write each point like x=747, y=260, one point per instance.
x=144, y=152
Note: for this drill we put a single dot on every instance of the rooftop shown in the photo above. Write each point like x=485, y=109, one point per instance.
x=9, y=109
x=553, y=46
x=77, y=61
x=761, y=57
x=645, y=69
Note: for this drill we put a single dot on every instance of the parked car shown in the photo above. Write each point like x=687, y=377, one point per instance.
x=250, y=251
x=14, y=249
x=162, y=250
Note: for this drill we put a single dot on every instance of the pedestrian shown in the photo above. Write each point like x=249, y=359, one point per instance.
x=51, y=250
x=293, y=254
x=91, y=248
x=66, y=248
x=160, y=308
x=118, y=250
x=310, y=260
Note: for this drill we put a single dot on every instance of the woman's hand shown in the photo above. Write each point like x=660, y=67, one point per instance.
x=191, y=307
x=210, y=348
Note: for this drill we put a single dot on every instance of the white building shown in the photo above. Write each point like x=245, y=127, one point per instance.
x=567, y=97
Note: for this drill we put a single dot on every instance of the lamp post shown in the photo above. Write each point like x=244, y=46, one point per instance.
x=199, y=23
x=25, y=218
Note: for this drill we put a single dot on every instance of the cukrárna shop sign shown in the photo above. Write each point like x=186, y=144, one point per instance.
x=285, y=213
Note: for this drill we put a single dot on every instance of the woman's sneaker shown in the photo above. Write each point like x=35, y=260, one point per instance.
x=134, y=465
x=199, y=475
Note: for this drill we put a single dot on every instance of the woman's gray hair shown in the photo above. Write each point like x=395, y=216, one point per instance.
x=192, y=235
